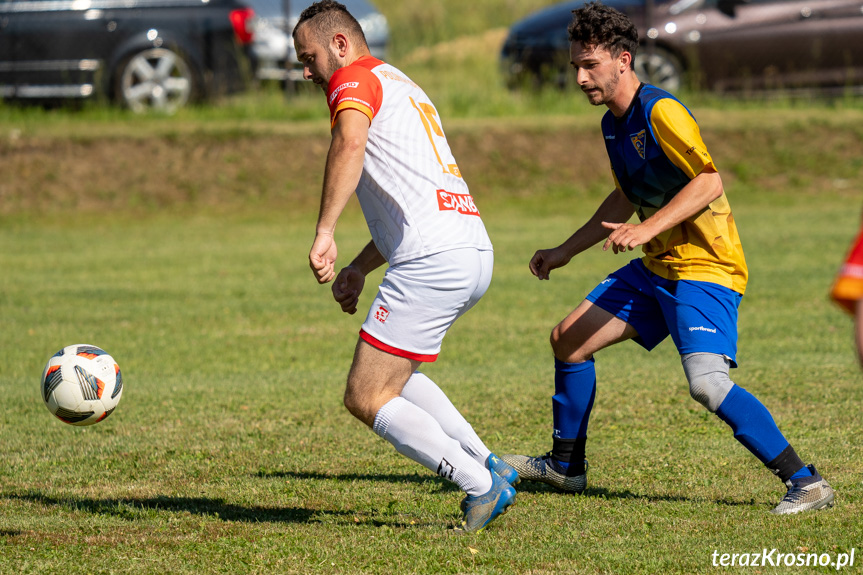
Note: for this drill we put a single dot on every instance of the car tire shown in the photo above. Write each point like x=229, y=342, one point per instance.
x=660, y=68
x=158, y=79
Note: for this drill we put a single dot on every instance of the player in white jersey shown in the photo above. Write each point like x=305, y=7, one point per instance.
x=388, y=147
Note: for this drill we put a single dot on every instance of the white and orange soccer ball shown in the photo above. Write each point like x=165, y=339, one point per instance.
x=81, y=384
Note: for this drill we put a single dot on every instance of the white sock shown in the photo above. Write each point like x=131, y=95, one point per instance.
x=423, y=392
x=418, y=436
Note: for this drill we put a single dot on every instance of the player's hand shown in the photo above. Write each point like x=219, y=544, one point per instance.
x=322, y=258
x=625, y=237
x=544, y=261
x=347, y=288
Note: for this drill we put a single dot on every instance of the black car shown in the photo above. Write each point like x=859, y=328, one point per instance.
x=721, y=45
x=143, y=54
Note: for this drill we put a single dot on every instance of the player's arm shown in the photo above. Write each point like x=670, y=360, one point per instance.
x=351, y=279
x=615, y=208
x=680, y=138
x=689, y=201
x=343, y=171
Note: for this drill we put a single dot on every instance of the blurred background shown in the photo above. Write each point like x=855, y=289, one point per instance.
x=487, y=57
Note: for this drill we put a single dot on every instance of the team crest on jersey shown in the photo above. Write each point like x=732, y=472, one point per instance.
x=382, y=314
x=638, y=141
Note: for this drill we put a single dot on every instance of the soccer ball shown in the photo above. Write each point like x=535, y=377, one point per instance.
x=81, y=384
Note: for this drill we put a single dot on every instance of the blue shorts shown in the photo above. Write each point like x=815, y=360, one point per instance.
x=700, y=316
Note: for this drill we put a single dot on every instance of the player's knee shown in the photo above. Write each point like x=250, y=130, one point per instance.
x=359, y=406
x=352, y=403
x=554, y=338
x=708, y=378
x=564, y=350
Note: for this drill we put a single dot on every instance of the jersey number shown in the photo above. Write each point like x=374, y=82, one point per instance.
x=427, y=115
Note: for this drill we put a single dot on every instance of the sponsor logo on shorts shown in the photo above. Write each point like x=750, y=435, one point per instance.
x=342, y=87
x=462, y=203
x=702, y=328
x=382, y=314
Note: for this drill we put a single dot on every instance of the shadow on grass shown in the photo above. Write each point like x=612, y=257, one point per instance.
x=441, y=484
x=134, y=508
x=602, y=493
x=523, y=487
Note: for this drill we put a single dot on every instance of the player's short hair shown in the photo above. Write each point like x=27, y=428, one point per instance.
x=327, y=18
x=595, y=24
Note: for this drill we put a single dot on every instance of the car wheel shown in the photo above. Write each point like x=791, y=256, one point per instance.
x=155, y=79
x=660, y=68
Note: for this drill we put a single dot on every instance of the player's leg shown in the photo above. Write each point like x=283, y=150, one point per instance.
x=618, y=309
x=374, y=386
x=585, y=331
x=417, y=303
x=756, y=430
x=574, y=340
x=473, y=269
x=373, y=396
x=751, y=422
x=704, y=327
x=424, y=393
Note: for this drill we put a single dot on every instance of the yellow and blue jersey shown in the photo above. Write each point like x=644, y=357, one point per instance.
x=655, y=150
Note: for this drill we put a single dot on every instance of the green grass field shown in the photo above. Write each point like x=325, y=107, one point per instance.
x=179, y=245
x=231, y=452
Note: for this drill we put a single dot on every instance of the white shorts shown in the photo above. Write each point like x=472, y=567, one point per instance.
x=420, y=299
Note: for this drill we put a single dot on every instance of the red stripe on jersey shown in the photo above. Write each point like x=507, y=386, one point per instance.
x=374, y=342
x=356, y=87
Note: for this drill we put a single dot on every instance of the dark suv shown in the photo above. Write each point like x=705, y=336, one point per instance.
x=143, y=54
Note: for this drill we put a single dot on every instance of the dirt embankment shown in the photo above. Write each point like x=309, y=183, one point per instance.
x=234, y=168
x=158, y=172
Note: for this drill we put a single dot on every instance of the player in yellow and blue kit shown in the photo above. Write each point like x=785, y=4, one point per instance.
x=688, y=284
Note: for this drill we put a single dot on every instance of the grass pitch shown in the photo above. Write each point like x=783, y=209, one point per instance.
x=179, y=245
x=231, y=452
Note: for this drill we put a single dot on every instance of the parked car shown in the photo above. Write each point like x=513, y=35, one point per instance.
x=721, y=45
x=273, y=48
x=143, y=54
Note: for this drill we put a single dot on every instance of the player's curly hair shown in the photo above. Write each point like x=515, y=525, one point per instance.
x=595, y=24
x=328, y=17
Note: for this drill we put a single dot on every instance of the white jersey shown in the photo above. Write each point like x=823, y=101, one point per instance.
x=412, y=194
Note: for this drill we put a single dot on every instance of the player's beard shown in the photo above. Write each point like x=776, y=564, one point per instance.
x=333, y=64
x=605, y=93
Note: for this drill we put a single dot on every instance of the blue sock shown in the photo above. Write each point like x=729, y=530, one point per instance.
x=574, y=392
x=752, y=424
x=801, y=473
